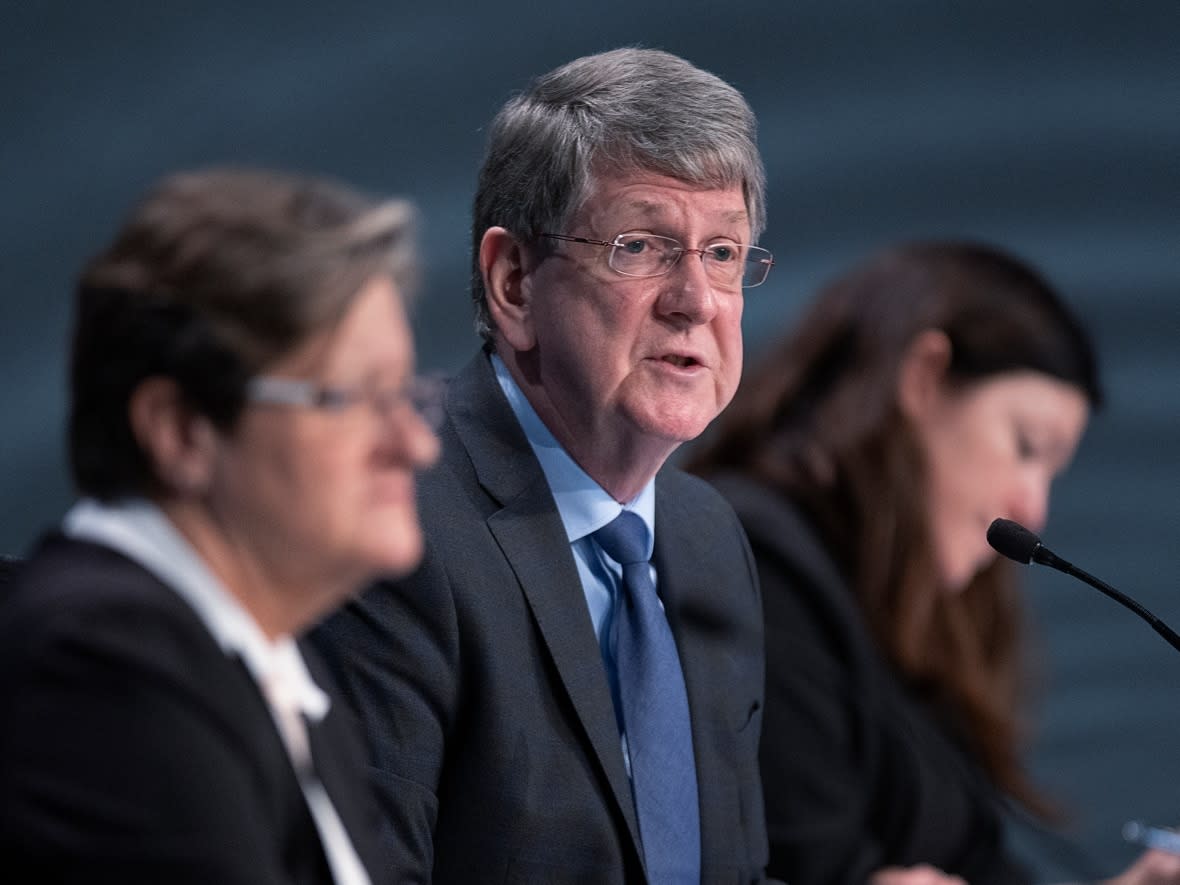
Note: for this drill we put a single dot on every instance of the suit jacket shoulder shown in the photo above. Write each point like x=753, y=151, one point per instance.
x=806, y=599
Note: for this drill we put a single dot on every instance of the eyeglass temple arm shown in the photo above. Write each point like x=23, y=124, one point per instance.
x=570, y=239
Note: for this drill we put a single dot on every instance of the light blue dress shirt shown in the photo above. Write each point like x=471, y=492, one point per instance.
x=584, y=507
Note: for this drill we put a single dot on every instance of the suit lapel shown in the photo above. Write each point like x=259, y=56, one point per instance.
x=336, y=752
x=531, y=535
x=532, y=538
x=687, y=575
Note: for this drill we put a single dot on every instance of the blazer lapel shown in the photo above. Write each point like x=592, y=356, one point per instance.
x=688, y=580
x=336, y=752
x=533, y=539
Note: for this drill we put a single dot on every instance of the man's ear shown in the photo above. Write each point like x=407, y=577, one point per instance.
x=180, y=443
x=502, y=263
x=921, y=380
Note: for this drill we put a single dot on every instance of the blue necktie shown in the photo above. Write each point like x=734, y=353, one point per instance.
x=654, y=713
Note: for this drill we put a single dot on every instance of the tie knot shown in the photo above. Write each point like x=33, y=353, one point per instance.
x=624, y=538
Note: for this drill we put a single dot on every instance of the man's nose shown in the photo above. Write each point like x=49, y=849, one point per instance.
x=689, y=292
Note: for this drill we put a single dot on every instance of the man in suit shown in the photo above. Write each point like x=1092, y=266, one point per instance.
x=613, y=218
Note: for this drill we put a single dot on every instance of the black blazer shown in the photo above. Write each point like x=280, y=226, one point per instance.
x=481, y=682
x=133, y=750
x=858, y=773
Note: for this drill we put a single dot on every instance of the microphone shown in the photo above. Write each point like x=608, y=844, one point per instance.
x=1016, y=542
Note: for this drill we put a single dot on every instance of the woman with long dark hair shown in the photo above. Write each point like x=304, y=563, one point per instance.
x=931, y=389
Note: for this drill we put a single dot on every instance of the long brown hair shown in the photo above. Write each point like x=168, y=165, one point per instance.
x=819, y=421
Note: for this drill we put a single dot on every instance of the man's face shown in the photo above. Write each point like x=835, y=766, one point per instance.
x=630, y=361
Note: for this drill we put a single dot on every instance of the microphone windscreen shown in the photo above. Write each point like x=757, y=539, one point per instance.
x=1012, y=540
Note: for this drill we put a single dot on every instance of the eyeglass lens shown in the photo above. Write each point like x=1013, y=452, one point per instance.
x=727, y=264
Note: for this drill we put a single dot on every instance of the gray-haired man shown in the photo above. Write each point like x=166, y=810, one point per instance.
x=544, y=704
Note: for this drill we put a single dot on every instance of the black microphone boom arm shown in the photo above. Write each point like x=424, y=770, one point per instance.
x=1016, y=542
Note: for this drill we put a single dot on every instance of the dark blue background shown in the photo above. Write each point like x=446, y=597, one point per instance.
x=1051, y=128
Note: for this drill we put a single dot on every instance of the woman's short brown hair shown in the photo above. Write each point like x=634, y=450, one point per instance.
x=216, y=274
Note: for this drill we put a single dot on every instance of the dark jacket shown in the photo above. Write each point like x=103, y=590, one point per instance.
x=858, y=773
x=481, y=682
x=134, y=750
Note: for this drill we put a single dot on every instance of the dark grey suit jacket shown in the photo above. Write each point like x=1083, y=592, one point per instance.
x=133, y=750
x=481, y=684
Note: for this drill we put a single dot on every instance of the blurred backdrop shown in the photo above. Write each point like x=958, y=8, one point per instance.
x=1049, y=127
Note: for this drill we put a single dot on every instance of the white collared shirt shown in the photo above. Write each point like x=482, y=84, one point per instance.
x=141, y=532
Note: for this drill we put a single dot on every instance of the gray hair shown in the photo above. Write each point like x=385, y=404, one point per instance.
x=627, y=110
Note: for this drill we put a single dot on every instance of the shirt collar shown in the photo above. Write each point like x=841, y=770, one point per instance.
x=140, y=531
x=584, y=506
